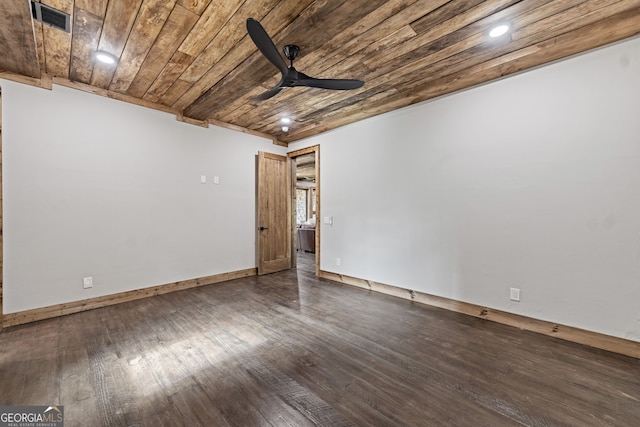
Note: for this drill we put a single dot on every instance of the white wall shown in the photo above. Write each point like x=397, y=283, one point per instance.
x=531, y=182
x=97, y=187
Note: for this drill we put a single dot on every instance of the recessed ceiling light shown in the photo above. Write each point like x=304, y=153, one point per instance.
x=499, y=30
x=105, y=57
x=285, y=120
x=285, y=128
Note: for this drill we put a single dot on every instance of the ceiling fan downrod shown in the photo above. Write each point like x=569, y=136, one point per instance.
x=291, y=52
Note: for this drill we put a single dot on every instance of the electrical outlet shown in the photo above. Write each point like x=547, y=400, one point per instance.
x=87, y=282
x=514, y=294
x=337, y=261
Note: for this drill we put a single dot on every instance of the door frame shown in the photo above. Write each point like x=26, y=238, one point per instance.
x=292, y=155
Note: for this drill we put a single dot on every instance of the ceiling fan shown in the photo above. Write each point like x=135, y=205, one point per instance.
x=290, y=76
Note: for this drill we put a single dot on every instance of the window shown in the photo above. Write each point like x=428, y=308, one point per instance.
x=301, y=206
x=312, y=202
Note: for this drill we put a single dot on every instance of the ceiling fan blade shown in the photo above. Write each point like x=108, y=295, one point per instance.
x=266, y=95
x=264, y=43
x=335, y=84
x=290, y=76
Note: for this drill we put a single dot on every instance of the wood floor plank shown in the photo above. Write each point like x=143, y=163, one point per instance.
x=299, y=396
x=114, y=397
x=76, y=387
x=372, y=374
x=516, y=358
x=511, y=372
x=42, y=382
x=223, y=382
x=288, y=349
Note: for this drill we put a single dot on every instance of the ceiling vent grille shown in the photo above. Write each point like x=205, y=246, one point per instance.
x=51, y=16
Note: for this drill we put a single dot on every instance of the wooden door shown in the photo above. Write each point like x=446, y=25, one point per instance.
x=274, y=219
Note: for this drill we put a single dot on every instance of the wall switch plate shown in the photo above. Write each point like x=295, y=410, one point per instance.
x=514, y=294
x=216, y=180
x=338, y=261
x=328, y=220
x=87, y=282
x=203, y=179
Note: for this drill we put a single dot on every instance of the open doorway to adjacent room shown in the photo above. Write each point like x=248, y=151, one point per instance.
x=306, y=207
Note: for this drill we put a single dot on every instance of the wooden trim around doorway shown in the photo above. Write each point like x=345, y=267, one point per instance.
x=568, y=333
x=296, y=153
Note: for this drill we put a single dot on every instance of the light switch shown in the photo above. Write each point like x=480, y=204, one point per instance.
x=203, y=179
x=216, y=180
x=328, y=220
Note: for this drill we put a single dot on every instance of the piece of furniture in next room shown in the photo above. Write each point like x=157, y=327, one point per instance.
x=307, y=238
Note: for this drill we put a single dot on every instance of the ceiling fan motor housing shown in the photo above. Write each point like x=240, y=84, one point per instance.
x=291, y=52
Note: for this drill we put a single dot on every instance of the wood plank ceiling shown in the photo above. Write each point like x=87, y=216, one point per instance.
x=195, y=59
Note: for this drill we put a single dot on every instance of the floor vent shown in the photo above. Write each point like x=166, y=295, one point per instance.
x=51, y=16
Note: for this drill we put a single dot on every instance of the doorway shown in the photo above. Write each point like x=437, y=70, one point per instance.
x=305, y=213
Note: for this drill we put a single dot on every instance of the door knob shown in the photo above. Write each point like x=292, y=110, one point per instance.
x=263, y=228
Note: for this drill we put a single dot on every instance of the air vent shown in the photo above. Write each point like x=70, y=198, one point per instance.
x=51, y=16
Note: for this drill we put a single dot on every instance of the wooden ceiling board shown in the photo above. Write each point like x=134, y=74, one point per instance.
x=57, y=48
x=344, y=48
x=86, y=28
x=579, y=15
x=222, y=44
x=39, y=35
x=95, y=7
x=382, y=85
x=390, y=71
x=368, y=33
x=118, y=21
x=57, y=43
x=248, y=67
x=19, y=48
x=195, y=6
x=306, y=167
x=231, y=47
x=412, y=92
x=208, y=26
x=168, y=76
x=238, y=52
x=175, y=30
x=149, y=21
x=415, y=48
x=195, y=59
x=65, y=6
x=256, y=116
x=601, y=33
x=437, y=55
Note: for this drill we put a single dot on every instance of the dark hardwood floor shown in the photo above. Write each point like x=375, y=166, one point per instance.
x=290, y=350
